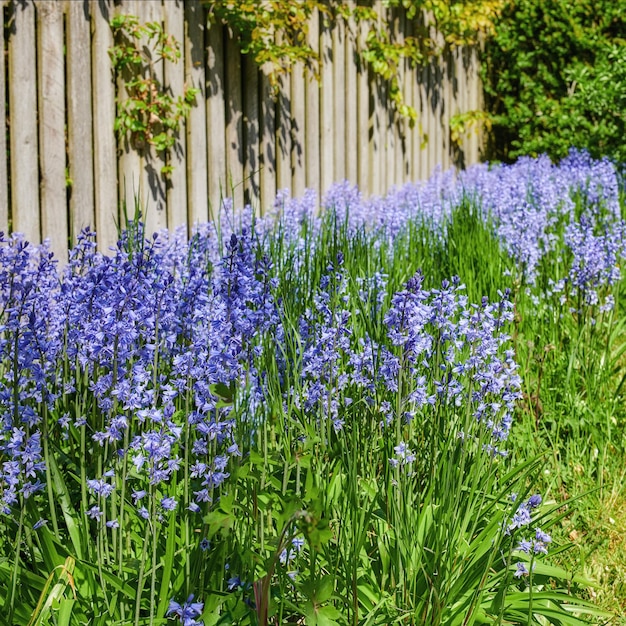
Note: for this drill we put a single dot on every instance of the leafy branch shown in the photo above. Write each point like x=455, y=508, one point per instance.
x=275, y=33
x=149, y=112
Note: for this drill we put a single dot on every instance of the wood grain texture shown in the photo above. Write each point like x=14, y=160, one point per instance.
x=51, y=86
x=251, y=128
x=197, y=184
x=339, y=101
x=4, y=179
x=283, y=135
x=351, y=102
x=174, y=79
x=104, y=142
x=25, y=207
x=153, y=183
x=327, y=112
x=364, y=117
x=216, y=117
x=298, y=131
x=234, y=123
x=80, y=117
x=267, y=156
x=312, y=112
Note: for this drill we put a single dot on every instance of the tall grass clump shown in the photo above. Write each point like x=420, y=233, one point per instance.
x=308, y=417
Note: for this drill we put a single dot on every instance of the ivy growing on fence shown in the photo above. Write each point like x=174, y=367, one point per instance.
x=274, y=32
x=149, y=112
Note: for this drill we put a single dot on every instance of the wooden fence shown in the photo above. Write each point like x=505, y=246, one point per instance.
x=64, y=168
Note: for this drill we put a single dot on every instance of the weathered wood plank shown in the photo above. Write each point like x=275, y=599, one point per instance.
x=474, y=104
x=339, y=96
x=449, y=104
x=4, y=180
x=426, y=141
x=327, y=113
x=418, y=156
x=298, y=131
x=234, y=123
x=104, y=143
x=174, y=79
x=128, y=161
x=216, y=117
x=378, y=144
x=312, y=112
x=51, y=86
x=363, y=115
x=79, y=119
x=352, y=155
x=251, y=124
x=283, y=135
x=197, y=138
x=433, y=118
x=23, y=123
x=401, y=125
x=268, y=145
x=152, y=182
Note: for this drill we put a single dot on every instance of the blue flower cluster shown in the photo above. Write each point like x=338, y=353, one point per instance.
x=145, y=362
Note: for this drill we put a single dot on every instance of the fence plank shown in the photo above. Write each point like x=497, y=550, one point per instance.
x=174, y=79
x=339, y=97
x=363, y=117
x=51, y=83
x=312, y=115
x=197, y=138
x=267, y=158
x=350, y=88
x=327, y=126
x=474, y=104
x=298, y=131
x=79, y=119
x=251, y=125
x=104, y=148
x=4, y=181
x=234, y=123
x=152, y=161
x=128, y=161
x=283, y=135
x=23, y=123
x=216, y=116
x=401, y=122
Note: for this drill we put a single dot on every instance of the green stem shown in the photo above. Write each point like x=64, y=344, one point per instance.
x=142, y=572
x=46, y=456
x=16, y=564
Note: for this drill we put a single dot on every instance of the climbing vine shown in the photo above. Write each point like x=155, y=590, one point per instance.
x=274, y=32
x=148, y=112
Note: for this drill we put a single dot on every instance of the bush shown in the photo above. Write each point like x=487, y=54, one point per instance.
x=555, y=77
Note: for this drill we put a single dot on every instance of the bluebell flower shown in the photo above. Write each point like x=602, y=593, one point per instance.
x=186, y=612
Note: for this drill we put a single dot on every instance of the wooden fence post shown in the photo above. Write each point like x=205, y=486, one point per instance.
x=312, y=112
x=174, y=78
x=216, y=117
x=25, y=207
x=79, y=119
x=104, y=148
x=195, y=59
x=4, y=179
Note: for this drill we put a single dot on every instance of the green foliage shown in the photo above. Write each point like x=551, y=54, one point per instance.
x=274, y=32
x=149, y=112
x=555, y=77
